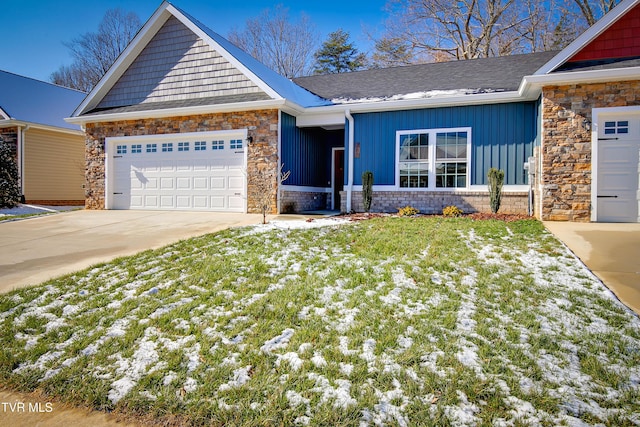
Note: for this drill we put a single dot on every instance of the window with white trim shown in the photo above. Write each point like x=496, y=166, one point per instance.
x=217, y=145
x=200, y=145
x=433, y=158
x=616, y=127
x=235, y=144
x=152, y=148
x=167, y=147
x=136, y=148
x=183, y=146
x=121, y=149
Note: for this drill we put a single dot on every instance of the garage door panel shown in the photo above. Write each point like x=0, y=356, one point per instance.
x=167, y=183
x=200, y=183
x=236, y=202
x=217, y=202
x=217, y=183
x=183, y=183
x=204, y=179
x=236, y=183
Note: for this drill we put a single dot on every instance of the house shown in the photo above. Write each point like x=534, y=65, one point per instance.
x=49, y=151
x=184, y=120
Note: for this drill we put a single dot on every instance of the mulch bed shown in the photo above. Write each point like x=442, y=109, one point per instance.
x=478, y=216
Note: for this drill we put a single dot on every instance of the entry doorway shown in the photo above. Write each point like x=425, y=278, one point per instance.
x=337, y=174
x=617, y=165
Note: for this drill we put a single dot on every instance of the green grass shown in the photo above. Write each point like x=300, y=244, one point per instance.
x=394, y=321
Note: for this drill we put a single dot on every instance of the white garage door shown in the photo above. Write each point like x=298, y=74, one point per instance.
x=618, y=190
x=197, y=171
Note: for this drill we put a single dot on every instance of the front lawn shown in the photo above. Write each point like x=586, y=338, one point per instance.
x=390, y=321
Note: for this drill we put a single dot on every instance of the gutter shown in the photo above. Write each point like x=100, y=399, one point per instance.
x=349, y=117
x=180, y=111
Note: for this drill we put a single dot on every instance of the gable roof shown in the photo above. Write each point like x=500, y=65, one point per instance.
x=587, y=37
x=274, y=87
x=33, y=101
x=467, y=77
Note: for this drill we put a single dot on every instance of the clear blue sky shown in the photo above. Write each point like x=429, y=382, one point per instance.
x=33, y=31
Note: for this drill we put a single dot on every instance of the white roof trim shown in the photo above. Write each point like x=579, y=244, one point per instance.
x=592, y=33
x=592, y=76
x=181, y=111
x=31, y=125
x=4, y=114
x=140, y=41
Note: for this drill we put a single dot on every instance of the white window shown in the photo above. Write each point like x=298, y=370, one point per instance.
x=183, y=146
x=235, y=144
x=136, y=148
x=167, y=147
x=619, y=127
x=201, y=145
x=433, y=158
x=121, y=149
x=217, y=145
x=152, y=148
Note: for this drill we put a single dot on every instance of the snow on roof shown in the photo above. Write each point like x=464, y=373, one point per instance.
x=34, y=101
x=414, y=95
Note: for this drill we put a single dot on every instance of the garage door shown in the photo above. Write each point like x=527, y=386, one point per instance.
x=618, y=192
x=202, y=171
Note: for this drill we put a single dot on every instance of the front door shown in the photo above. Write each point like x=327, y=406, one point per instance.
x=338, y=176
x=618, y=190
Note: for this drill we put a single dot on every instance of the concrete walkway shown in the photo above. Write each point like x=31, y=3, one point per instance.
x=37, y=249
x=611, y=251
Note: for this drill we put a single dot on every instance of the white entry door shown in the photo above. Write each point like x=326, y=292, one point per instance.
x=618, y=162
x=197, y=171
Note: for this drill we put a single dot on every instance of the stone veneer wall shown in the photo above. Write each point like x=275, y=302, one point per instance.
x=434, y=202
x=301, y=201
x=566, y=144
x=262, y=152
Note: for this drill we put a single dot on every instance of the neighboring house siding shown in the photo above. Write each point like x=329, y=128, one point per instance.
x=306, y=152
x=177, y=65
x=621, y=40
x=54, y=167
x=566, y=144
x=502, y=135
x=262, y=152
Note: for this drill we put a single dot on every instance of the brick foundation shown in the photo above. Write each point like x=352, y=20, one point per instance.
x=301, y=201
x=262, y=152
x=566, y=144
x=434, y=202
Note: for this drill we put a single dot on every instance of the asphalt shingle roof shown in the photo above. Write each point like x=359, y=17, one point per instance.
x=483, y=75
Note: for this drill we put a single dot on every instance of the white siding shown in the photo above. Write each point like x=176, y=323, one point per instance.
x=177, y=65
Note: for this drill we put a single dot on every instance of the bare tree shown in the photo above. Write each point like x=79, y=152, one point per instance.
x=284, y=46
x=466, y=29
x=592, y=10
x=94, y=53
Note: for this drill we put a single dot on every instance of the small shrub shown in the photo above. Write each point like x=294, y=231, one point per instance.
x=408, y=211
x=452, y=211
x=496, y=180
x=367, y=190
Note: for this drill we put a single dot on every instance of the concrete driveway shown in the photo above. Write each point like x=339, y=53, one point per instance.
x=611, y=251
x=34, y=250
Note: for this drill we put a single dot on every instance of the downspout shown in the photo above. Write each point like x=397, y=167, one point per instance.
x=349, y=117
x=20, y=150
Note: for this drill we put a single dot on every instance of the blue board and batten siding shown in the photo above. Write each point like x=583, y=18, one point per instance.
x=502, y=136
x=307, y=153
